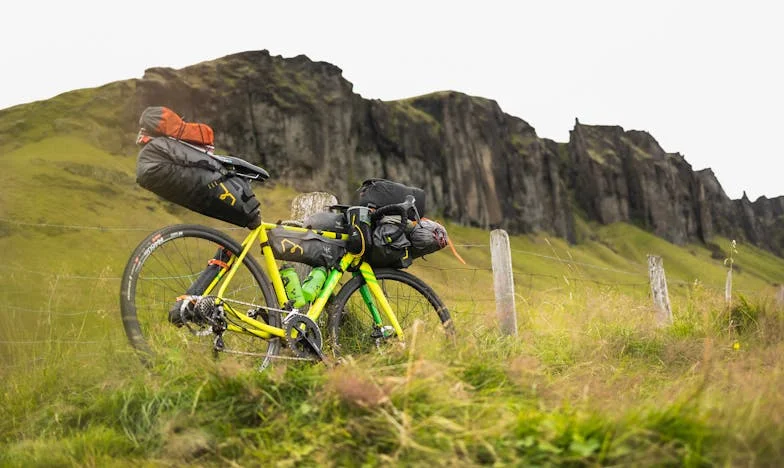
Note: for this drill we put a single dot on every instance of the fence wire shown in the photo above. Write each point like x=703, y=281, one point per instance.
x=468, y=287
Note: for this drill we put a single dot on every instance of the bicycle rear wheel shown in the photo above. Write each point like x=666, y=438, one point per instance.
x=351, y=323
x=162, y=268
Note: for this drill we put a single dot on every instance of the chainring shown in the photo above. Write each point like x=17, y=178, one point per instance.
x=303, y=336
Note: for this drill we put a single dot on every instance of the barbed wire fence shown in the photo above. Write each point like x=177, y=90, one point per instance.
x=72, y=309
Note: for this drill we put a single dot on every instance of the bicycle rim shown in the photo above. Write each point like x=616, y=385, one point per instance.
x=351, y=323
x=162, y=269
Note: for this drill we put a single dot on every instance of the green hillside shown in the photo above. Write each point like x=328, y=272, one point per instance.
x=590, y=379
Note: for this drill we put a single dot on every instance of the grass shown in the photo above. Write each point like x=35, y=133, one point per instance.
x=620, y=393
x=590, y=380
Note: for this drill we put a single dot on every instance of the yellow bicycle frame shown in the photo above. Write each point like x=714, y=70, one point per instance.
x=266, y=331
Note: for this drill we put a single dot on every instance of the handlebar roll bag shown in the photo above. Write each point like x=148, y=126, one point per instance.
x=375, y=193
x=427, y=237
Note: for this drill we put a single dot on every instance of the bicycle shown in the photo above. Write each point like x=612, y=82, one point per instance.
x=218, y=296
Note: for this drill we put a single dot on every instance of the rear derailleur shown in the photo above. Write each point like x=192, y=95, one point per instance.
x=201, y=316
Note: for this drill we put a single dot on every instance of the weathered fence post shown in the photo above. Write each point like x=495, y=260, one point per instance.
x=661, y=298
x=780, y=296
x=305, y=205
x=503, y=281
x=728, y=287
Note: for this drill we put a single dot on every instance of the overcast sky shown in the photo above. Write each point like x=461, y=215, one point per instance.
x=704, y=78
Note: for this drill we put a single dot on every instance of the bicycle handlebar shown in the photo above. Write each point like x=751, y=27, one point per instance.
x=401, y=209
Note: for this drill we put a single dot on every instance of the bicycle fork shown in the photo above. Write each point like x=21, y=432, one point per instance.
x=380, y=332
x=374, y=297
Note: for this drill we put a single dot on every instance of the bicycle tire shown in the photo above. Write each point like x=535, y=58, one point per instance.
x=350, y=321
x=162, y=267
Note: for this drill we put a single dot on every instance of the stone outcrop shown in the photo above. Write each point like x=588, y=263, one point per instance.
x=302, y=121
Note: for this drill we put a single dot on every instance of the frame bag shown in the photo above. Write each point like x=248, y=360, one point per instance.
x=305, y=247
x=190, y=177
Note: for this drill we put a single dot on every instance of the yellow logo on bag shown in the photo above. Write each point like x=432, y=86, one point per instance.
x=294, y=246
x=226, y=194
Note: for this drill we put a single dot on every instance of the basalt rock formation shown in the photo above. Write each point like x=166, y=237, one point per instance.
x=302, y=121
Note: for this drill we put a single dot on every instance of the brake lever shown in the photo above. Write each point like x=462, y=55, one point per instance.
x=411, y=205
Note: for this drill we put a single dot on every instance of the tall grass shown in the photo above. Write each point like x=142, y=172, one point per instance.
x=594, y=383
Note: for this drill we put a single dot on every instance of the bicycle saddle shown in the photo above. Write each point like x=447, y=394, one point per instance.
x=242, y=167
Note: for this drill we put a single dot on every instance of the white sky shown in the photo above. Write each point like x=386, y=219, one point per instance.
x=705, y=78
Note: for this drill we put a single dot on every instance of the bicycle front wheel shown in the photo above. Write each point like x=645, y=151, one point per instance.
x=351, y=322
x=163, y=268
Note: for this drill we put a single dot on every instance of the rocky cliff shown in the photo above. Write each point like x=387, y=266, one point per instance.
x=302, y=121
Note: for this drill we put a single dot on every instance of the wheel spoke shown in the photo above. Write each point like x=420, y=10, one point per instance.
x=169, y=270
x=411, y=299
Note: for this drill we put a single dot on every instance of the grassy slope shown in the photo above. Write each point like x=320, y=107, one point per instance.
x=590, y=379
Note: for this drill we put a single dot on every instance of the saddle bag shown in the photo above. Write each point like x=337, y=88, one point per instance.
x=376, y=193
x=306, y=247
x=162, y=121
x=190, y=177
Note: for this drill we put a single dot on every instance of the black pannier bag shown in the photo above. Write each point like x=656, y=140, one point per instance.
x=389, y=245
x=376, y=193
x=306, y=247
x=190, y=177
x=396, y=245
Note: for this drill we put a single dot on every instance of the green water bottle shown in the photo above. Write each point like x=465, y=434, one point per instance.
x=291, y=284
x=311, y=287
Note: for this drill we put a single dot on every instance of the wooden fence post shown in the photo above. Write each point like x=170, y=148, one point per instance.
x=305, y=205
x=503, y=281
x=780, y=296
x=728, y=287
x=661, y=298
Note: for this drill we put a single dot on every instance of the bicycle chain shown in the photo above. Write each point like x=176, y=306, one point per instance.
x=287, y=314
x=277, y=356
x=256, y=306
